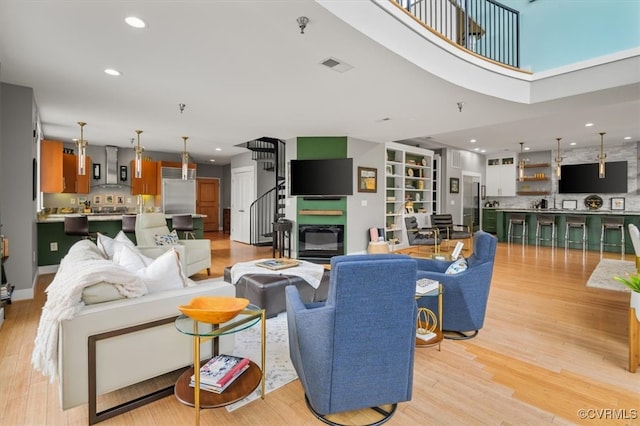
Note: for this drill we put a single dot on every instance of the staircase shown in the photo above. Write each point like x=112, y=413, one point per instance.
x=269, y=207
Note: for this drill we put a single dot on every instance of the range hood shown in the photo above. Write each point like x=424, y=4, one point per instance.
x=111, y=168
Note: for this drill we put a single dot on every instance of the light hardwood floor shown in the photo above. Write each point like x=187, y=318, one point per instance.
x=549, y=348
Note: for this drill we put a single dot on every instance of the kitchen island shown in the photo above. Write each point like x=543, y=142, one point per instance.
x=53, y=243
x=594, y=220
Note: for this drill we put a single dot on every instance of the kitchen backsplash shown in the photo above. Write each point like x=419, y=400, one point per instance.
x=101, y=199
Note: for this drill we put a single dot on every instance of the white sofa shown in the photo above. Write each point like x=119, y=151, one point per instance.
x=131, y=358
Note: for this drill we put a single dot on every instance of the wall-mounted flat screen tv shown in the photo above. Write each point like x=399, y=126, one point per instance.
x=322, y=178
x=583, y=178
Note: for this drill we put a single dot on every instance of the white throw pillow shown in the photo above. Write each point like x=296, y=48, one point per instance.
x=107, y=245
x=170, y=239
x=165, y=273
x=457, y=267
x=130, y=258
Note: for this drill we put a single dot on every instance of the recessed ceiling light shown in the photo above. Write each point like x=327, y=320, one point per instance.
x=626, y=138
x=483, y=150
x=476, y=149
x=572, y=144
x=472, y=141
x=111, y=71
x=588, y=125
x=218, y=149
x=526, y=148
x=135, y=22
x=212, y=160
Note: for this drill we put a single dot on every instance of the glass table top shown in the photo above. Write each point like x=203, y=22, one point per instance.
x=245, y=319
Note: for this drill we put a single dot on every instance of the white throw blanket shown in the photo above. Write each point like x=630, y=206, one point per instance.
x=310, y=272
x=64, y=301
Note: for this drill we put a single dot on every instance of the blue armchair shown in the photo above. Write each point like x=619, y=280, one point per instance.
x=356, y=350
x=465, y=293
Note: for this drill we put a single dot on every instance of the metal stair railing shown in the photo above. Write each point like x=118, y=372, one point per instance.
x=485, y=27
x=269, y=207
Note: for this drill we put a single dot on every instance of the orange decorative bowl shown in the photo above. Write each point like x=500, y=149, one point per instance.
x=213, y=310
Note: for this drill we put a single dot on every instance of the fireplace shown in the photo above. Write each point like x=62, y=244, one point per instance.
x=318, y=243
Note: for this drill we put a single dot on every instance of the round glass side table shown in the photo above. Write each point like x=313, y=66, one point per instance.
x=203, y=332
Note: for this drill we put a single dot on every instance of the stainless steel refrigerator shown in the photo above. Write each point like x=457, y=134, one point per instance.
x=178, y=196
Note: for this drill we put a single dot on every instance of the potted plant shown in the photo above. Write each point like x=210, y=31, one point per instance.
x=633, y=282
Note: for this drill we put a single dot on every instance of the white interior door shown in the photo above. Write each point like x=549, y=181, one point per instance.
x=243, y=193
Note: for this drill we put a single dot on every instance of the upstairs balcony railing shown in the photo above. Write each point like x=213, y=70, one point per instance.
x=484, y=27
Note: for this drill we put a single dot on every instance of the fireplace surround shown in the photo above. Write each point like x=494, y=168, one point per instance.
x=319, y=243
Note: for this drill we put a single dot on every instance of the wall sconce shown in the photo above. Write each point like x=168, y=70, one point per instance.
x=81, y=144
x=558, y=161
x=185, y=159
x=601, y=157
x=138, y=160
x=521, y=163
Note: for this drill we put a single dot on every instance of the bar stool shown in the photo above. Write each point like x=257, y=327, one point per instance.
x=542, y=221
x=573, y=222
x=281, y=232
x=77, y=226
x=612, y=223
x=129, y=223
x=517, y=219
x=184, y=223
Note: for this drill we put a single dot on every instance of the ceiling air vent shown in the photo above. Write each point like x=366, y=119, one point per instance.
x=336, y=64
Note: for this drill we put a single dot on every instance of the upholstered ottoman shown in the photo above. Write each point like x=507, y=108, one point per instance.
x=267, y=290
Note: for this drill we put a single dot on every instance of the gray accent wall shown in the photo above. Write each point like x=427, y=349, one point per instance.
x=364, y=208
x=17, y=206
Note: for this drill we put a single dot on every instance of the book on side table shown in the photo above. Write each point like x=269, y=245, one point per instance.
x=219, y=372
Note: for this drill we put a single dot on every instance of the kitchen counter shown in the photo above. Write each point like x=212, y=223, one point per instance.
x=53, y=243
x=593, y=221
x=567, y=211
x=96, y=217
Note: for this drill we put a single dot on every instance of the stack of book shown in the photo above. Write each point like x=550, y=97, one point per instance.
x=219, y=372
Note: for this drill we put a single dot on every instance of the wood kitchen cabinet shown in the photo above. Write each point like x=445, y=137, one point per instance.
x=148, y=183
x=59, y=171
x=51, y=180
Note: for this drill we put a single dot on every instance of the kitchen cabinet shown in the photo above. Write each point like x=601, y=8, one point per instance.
x=51, y=180
x=59, y=170
x=500, y=176
x=489, y=220
x=69, y=173
x=148, y=183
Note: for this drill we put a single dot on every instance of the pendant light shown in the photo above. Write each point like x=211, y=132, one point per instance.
x=81, y=144
x=521, y=163
x=558, y=160
x=601, y=157
x=185, y=159
x=138, y=160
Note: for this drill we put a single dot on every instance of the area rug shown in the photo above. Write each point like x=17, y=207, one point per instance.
x=279, y=369
x=602, y=276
